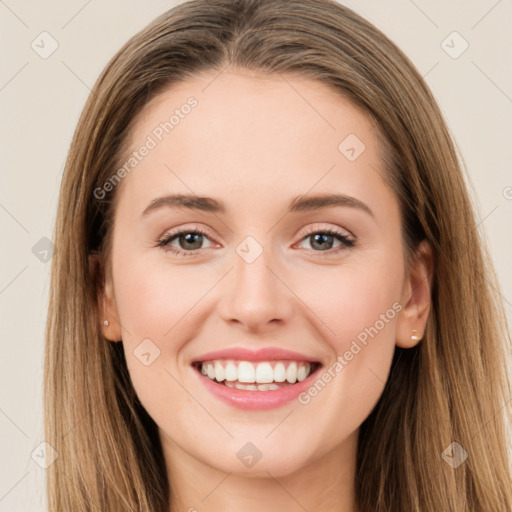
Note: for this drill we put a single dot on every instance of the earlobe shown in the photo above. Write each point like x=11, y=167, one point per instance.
x=107, y=315
x=416, y=297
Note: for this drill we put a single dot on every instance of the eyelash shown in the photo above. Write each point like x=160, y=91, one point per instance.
x=164, y=242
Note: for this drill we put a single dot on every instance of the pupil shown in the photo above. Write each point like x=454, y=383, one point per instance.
x=322, y=237
x=189, y=239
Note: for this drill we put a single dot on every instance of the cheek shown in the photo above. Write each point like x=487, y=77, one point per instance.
x=152, y=300
x=352, y=298
x=152, y=303
x=360, y=306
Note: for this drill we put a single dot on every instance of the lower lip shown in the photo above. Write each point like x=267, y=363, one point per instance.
x=257, y=400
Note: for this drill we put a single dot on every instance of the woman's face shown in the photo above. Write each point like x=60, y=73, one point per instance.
x=256, y=154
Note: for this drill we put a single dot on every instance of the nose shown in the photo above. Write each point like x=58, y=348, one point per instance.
x=256, y=296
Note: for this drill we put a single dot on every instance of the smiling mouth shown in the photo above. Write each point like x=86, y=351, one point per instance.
x=256, y=376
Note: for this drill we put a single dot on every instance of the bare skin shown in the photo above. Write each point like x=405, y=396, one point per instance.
x=256, y=143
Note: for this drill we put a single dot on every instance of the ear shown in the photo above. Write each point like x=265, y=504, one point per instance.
x=416, y=297
x=107, y=308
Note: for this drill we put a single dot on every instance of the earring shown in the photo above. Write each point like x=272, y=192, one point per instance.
x=106, y=323
x=414, y=337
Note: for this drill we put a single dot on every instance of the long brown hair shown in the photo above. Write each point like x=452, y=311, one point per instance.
x=452, y=387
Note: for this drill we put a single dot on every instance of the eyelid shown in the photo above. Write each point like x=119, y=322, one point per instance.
x=314, y=228
x=186, y=227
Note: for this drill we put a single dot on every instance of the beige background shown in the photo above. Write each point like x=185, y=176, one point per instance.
x=41, y=99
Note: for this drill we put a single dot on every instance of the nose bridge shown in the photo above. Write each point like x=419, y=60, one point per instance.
x=256, y=296
x=252, y=262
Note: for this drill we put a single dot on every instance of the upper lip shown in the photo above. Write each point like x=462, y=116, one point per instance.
x=263, y=354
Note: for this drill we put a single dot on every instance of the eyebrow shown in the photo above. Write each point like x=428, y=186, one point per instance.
x=299, y=204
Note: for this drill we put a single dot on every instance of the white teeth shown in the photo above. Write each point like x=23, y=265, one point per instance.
x=220, y=374
x=261, y=376
x=279, y=372
x=250, y=387
x=264, y=373
x=231, y=372
x=254, y=387
x=246, y=372
x=302, y=373
x=291, y=373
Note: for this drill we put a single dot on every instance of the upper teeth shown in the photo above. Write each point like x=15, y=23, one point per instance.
x=261, y=373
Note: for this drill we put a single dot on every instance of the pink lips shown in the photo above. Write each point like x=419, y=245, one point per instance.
x=264, y=354
x=255, y=400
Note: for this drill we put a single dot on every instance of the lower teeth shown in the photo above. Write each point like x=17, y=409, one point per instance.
x=256, y=387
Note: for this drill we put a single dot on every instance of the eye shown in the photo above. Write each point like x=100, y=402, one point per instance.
x=190, y=240
x=322, y=239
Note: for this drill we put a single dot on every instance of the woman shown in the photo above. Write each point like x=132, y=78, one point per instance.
x=329, y=340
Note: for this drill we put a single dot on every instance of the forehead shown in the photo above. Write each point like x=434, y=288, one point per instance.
x=239, y=131
x=245, y=103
